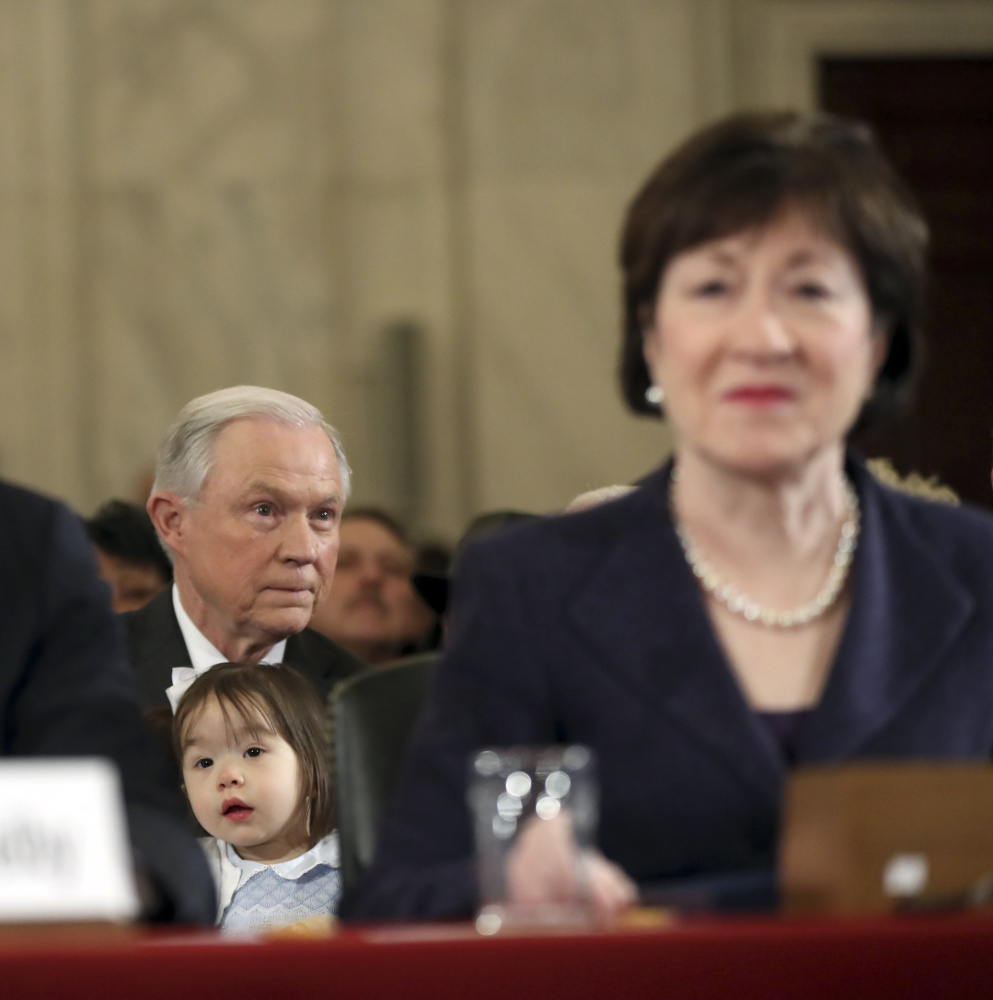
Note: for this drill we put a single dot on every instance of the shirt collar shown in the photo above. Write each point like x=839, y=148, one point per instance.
x=203, y=653
x=324, y=852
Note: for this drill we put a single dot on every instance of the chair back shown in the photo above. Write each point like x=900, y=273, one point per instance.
x=373, y=715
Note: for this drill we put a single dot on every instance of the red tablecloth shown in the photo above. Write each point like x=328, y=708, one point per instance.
x=922, y=957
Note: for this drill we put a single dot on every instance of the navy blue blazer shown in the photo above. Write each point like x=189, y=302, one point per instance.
x=589, y=628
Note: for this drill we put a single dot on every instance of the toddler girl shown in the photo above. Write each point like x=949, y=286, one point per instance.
x=256, y=764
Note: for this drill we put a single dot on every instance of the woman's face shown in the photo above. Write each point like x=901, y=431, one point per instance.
x=763, y=344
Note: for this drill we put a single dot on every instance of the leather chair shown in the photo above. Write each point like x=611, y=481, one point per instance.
x=373, y=717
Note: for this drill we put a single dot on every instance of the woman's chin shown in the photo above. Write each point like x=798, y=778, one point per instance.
x=758, y=459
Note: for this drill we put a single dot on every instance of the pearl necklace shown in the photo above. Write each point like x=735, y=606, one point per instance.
x=739, y=604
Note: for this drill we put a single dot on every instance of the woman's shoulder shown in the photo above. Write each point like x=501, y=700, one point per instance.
x=955, y=532
x=643, y=507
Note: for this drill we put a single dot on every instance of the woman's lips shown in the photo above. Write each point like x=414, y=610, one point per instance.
x=760, y=395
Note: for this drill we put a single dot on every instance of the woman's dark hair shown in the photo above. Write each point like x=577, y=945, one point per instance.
x=277, y=697
x=740, y=174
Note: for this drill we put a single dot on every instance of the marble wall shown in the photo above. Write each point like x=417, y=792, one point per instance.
x=405, y=211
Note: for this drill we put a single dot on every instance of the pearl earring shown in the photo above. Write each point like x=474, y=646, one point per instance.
x=654, y=395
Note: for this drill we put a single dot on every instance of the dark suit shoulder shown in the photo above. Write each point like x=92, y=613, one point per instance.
x=29, y=518
x=557, y=553
x=959, y=537
x=152, y=619
x=155, y=645
x=323, y=661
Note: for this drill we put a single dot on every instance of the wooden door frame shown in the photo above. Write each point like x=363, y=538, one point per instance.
x=776, y=44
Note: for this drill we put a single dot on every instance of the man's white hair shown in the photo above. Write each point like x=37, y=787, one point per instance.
x=186, y=453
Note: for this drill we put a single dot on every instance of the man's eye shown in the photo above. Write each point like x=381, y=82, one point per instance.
x=254, y=752
x=265, y=509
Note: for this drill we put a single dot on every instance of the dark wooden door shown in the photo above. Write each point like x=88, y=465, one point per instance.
x=934, y=118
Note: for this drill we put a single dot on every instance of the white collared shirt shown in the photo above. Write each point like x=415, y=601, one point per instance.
x=203, y=653
x=230, y=872
x=324, y=852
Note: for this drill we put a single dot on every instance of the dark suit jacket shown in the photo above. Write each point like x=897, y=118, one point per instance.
x=156, y=644
x=66, y=690
x=589, y=628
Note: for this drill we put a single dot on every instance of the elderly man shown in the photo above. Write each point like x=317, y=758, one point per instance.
x=248, y=494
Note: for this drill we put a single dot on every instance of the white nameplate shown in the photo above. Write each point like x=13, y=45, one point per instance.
x=64, y=851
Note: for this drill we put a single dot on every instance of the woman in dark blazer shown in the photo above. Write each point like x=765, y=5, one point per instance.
x=761, y=600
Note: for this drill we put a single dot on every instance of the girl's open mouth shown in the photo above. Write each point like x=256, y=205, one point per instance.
x=235, y=809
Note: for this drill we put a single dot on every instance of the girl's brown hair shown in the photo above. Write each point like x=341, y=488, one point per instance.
x=277, y=697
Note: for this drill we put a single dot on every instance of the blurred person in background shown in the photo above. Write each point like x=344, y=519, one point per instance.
x=66, y=690
x=372, y=608
x=129, y=555
x=434, y=581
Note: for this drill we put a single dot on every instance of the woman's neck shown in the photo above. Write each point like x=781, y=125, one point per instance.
x=788, y=512
x=772, y=538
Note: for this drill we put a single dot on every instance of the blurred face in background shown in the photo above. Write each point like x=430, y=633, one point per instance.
x=132, y=584
x=372, y=608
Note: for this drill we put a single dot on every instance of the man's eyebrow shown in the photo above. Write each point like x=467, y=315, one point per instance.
x=280, y=495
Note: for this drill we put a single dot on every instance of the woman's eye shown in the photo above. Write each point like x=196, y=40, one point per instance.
x=710, y=289
x=812, y=290
x=254, y=752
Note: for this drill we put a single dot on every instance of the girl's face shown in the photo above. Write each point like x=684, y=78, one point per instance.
x=764, y=345
x=244, y=789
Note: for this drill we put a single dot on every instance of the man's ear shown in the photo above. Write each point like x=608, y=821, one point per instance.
x=167, y=512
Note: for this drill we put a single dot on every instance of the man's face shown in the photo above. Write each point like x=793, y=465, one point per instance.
x=258, y=549
x=372, y=609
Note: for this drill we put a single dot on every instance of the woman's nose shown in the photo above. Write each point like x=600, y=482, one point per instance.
x=761, y=326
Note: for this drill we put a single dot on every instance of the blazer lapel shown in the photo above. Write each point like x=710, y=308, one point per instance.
x=642, y=616
x=156, y=645
x=907, y=609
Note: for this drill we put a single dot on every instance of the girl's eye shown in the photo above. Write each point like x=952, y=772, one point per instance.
x=202, y=762
x=254, y=752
